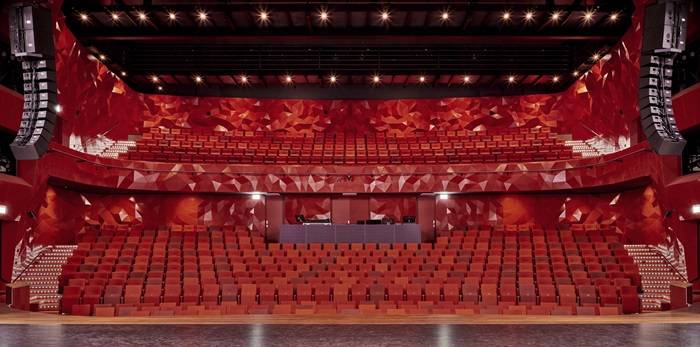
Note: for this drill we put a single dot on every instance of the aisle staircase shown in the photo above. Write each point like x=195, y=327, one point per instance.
x=657, y=274
x=42, y=275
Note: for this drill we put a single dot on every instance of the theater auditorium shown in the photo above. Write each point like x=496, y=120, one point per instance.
x=350, y=173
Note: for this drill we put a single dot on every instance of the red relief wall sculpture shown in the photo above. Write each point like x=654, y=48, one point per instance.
x=635, y=212
x=64, y=212
x=602, y=102
x=312, y=206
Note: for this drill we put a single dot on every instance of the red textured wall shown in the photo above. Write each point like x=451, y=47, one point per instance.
x=636, y=212
x=97, y=102
x=64, y=212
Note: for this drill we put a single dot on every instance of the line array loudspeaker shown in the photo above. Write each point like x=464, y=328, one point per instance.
x=32, y=42
x=664, y=36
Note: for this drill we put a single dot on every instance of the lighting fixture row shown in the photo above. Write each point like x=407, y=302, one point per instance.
x=335, y=79
x=324, y=16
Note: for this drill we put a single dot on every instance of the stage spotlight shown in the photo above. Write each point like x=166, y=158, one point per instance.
x=102, y=57
x=160, y=88
x=595, y=57
x=376, y=79
x=614, y=17
x=58, y=108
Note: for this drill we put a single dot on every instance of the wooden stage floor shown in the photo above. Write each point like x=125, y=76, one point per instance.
x=685, y=316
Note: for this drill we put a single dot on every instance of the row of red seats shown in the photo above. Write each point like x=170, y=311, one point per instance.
x=625, y=297
x=215, y=156
x=404, y=308
x=540, y=141
x=379, y=135
x=188, y=261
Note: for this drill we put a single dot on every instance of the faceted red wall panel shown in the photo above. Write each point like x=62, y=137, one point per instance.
x=64, y=212
x=603, y=102
x=311, y=206
x=636, y=212
x=392, y=206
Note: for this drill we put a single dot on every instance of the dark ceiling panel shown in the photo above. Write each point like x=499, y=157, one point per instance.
x=231, y=40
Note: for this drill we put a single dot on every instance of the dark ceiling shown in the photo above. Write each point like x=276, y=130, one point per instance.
x=291, y=49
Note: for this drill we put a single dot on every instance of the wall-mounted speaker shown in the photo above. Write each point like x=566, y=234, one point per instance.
x=32, y=42
x=664, y=36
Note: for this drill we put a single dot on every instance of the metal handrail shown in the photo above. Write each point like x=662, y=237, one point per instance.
x=668, y=262
x=44, y=250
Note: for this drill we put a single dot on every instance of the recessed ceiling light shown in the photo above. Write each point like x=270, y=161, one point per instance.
x=575, y=73
x=84, y=17
x=511, y=79
x=555, y=79
x=154, y=79
x=595, y=57
x=505, y=16
x=385, y=15
x=529, y=16
x=160, y=87
x=102, y=57
x=123, y=73
x=467, y=79
x=263, y=16
x=115, y=16
x=58, y=108
x=588, y=16
x=333, y=79
x=443, y=196
x=198, y=78
x=288, y=79
x=421, y=79
x=556, y=16
x=445, y=16
x=172, y=15
x=323, y=16
x=614, y=17
x=142, y=16
x=244, y=79
x=202, y=16
x=256, y=196
x=3, y=210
